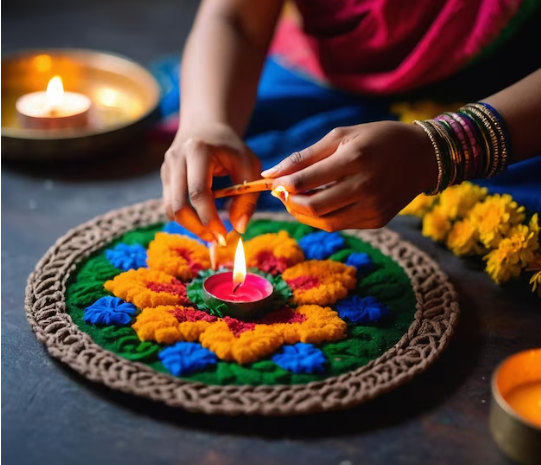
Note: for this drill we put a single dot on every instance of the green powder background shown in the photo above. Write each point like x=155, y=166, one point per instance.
x=388, y=283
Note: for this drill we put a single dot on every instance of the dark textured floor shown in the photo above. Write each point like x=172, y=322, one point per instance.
x=52, y=416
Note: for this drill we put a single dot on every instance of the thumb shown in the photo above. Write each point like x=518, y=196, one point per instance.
x=310, y=155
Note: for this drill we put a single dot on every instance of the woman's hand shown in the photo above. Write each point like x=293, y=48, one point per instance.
x=195, y=156
x=357, y=177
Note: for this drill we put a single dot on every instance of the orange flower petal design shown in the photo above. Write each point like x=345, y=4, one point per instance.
x=146, y=288
x=177, y=255
x=333, y=281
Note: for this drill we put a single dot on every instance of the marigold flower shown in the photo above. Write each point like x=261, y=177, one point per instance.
x=177, y=255
x=320, y=282
x=494, y=217
x=147, y=288
x=513, y=253
x=273, y=253
x=463, y=237
x=419, y=205
x=457, y=201
x=436, y=224
x=535, y=265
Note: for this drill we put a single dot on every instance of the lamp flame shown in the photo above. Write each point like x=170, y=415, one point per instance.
x=239, y=266
x=55, y=93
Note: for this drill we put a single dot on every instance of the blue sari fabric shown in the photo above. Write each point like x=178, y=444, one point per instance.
x=293, y=112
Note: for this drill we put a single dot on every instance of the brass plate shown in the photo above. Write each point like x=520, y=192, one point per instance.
x=124, y=97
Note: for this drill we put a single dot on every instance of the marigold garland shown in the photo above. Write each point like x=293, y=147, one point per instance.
x=177, y=255
x=471, y=222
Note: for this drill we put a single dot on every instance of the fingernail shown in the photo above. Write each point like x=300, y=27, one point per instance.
x=242, y=223
x=269, y=172
x=221, y=240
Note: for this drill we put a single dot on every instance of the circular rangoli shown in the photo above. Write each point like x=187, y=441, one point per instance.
x=120, y=300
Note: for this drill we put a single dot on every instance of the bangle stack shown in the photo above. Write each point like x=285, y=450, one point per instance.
x=472, y=143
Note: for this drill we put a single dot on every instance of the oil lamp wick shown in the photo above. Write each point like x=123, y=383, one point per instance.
x=236, y=288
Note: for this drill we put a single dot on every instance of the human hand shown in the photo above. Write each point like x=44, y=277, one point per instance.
x=195, y=156
x=357, y=177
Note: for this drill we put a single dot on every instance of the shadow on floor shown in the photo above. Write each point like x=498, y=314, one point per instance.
x=135, y=158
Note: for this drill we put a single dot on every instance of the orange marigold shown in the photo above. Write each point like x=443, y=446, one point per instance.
x=320, y=282
x=177, y=255
x=147, y=288
x=273, y=252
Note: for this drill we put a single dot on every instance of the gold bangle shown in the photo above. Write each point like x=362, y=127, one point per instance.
x=496, y=122
x=428, y=129
x=451, y=149
x=492, y=165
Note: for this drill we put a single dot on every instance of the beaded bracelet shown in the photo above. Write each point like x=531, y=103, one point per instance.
x=472, y=143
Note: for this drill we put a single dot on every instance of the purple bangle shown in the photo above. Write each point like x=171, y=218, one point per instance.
x=475, y=149
x=462, y=137
x=479, y=151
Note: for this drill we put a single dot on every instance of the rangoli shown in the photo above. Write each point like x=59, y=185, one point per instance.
x=120, y=300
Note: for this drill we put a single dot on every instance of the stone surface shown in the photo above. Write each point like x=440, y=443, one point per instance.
x=52, y=416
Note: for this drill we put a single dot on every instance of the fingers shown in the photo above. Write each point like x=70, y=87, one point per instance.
x=199, y=184
x=327, y=200
x=310, y=155
x=324, y=172
x=346, y=218
x=243, y=206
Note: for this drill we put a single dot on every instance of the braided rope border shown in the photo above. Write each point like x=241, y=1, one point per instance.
x=433, y=325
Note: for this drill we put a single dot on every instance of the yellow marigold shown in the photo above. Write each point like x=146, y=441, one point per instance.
x=168, y=324
x=514, y=252
x=248, y=347
x=320, y=282
x=494, y=217
x=177, y=255
x=321, y=324
x=463, y=237
x=457, y=201
x=272, y=252
x=419, y=205
x=147, y=288
x=436, y=224
x=424, y=109
x=535, y=265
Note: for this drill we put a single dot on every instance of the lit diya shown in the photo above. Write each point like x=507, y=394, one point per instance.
x=53, y=108
x=243, y=295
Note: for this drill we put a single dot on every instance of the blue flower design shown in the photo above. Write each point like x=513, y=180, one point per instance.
x=361, y=310
x=321, y=245
x=126, y=257
x=301, y=358
x=109, y=311
x=174, y=228
x=184, y=358
x=362, y=262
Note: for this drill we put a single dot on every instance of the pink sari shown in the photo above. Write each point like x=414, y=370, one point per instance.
x=389, y=46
